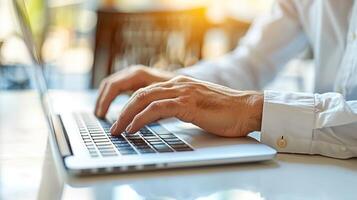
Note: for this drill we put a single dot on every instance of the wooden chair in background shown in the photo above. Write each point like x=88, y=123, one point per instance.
x=159, y=38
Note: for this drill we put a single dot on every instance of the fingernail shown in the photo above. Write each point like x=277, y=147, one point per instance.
x=114, y=126
x=128, y=129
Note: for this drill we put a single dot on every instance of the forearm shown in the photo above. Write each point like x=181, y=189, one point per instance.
x=261, y=53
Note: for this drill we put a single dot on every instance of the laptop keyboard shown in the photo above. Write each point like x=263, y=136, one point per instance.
x=99, y=142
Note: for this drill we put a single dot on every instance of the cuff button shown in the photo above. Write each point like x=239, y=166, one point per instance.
x=281, y=142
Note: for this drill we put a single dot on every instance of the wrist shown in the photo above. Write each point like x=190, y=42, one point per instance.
x=257, y=110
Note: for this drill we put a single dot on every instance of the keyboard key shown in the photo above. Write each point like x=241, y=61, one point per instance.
x=148, y=134
x=186, y=149
x=116, y=137
x=100, y=140
x=94, y=154
x=137, y=137
x=173, y=140
x=99, y=137
x=96, y=133
x=143, y=151
x=162, y=148
x=105, y=147
x=120, y=142
x=157, y=143
x=138, y=142
x=122, y=145
x=106, y=151
x=180, y=146
x=168, y=136
x=109, y=154
x=103, y=144
x=92, y=150
x=144, y=146
x=127, y=152
x=151, y=138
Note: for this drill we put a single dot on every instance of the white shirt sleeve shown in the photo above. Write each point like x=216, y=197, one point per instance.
x=322, y=124
x=258, y=58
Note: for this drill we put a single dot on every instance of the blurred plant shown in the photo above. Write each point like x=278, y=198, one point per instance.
x=38, y=19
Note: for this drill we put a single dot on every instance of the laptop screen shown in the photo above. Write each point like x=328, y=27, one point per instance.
x=28, y=33
x=28, y=36
x=31, y=18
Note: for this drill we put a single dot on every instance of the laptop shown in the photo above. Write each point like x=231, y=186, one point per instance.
x=85, y=146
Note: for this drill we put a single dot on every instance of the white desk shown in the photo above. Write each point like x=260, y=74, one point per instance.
x=25, y=163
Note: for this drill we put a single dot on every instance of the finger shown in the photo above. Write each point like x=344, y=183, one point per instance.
x=113, y=88
x=100, y=94
x=159, y=110
x=139, y=101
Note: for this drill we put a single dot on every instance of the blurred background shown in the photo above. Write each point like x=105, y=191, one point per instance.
x=82, y=41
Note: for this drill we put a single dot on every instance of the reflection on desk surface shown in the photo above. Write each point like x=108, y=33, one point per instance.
x=288, y=176
x=25, y=163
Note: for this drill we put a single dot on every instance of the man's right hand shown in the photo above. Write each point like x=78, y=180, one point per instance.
x=130, y=79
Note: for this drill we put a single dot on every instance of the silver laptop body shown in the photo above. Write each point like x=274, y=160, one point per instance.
x=85, y=145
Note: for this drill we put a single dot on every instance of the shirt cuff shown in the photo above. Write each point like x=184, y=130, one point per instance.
x=288, y=121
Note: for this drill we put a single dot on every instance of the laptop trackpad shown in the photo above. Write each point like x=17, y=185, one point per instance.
x=197, y=137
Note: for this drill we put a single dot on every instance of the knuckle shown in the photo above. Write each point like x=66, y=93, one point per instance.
x=110, y=85
x=159, y=85
x=121, y=117
x=183, y=101
x=142, y=94
x=180, y=78
x=155, y=106
x=197, y=85
x=139, y=69
x=137, y=118
x=166, y=84
x=187, y=91
x=190, y=89
x=170, y=104
x=104, y=82
x=163, y=105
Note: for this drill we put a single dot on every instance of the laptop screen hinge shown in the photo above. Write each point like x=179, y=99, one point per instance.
x=61, y=137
